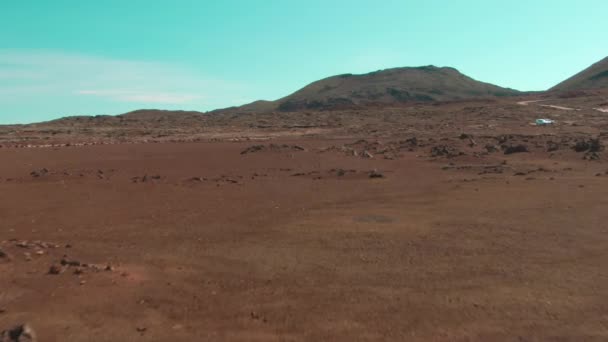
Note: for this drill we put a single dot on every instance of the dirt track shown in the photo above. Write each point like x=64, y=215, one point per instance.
x=206, y=243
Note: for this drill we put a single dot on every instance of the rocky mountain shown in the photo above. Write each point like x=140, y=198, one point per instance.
x=594, y=77
x=384, y=87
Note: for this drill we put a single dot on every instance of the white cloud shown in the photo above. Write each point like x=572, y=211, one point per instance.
x=29, y=75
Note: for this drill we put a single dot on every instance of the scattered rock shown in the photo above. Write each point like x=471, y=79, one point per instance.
x=272, y=147
x=445, y=151
x=22, y=333
x=145, y=178
x=591, y=156
x=34, y=244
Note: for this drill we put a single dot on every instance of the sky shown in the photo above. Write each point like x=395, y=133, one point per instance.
x=72, y=57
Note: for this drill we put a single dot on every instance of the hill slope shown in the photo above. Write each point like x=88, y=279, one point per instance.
x=594, y=77
x=390, y=86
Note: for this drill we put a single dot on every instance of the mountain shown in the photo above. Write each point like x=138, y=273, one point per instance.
x=384, y=87
x=594, y=77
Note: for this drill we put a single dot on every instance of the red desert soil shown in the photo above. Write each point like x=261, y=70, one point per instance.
x=309, y=239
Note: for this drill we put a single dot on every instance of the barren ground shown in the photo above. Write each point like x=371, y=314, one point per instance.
x=293, y=238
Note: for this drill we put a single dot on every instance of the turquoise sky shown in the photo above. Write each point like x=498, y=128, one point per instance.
x=72, y=57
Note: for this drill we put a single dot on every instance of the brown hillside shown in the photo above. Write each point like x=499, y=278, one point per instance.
x=594, y=77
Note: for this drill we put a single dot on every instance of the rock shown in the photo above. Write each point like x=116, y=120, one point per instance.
x=375, y=174
x=297, y=148
x=491, y=148
x=591, y=145
x=22, y=333
x=368, y=155
x=515, y=149
x=67, y=262
x=412, y=141
x=56, y=269
x=39, y=173
x=23, y=244
x=4, y=256
x=254, y=148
